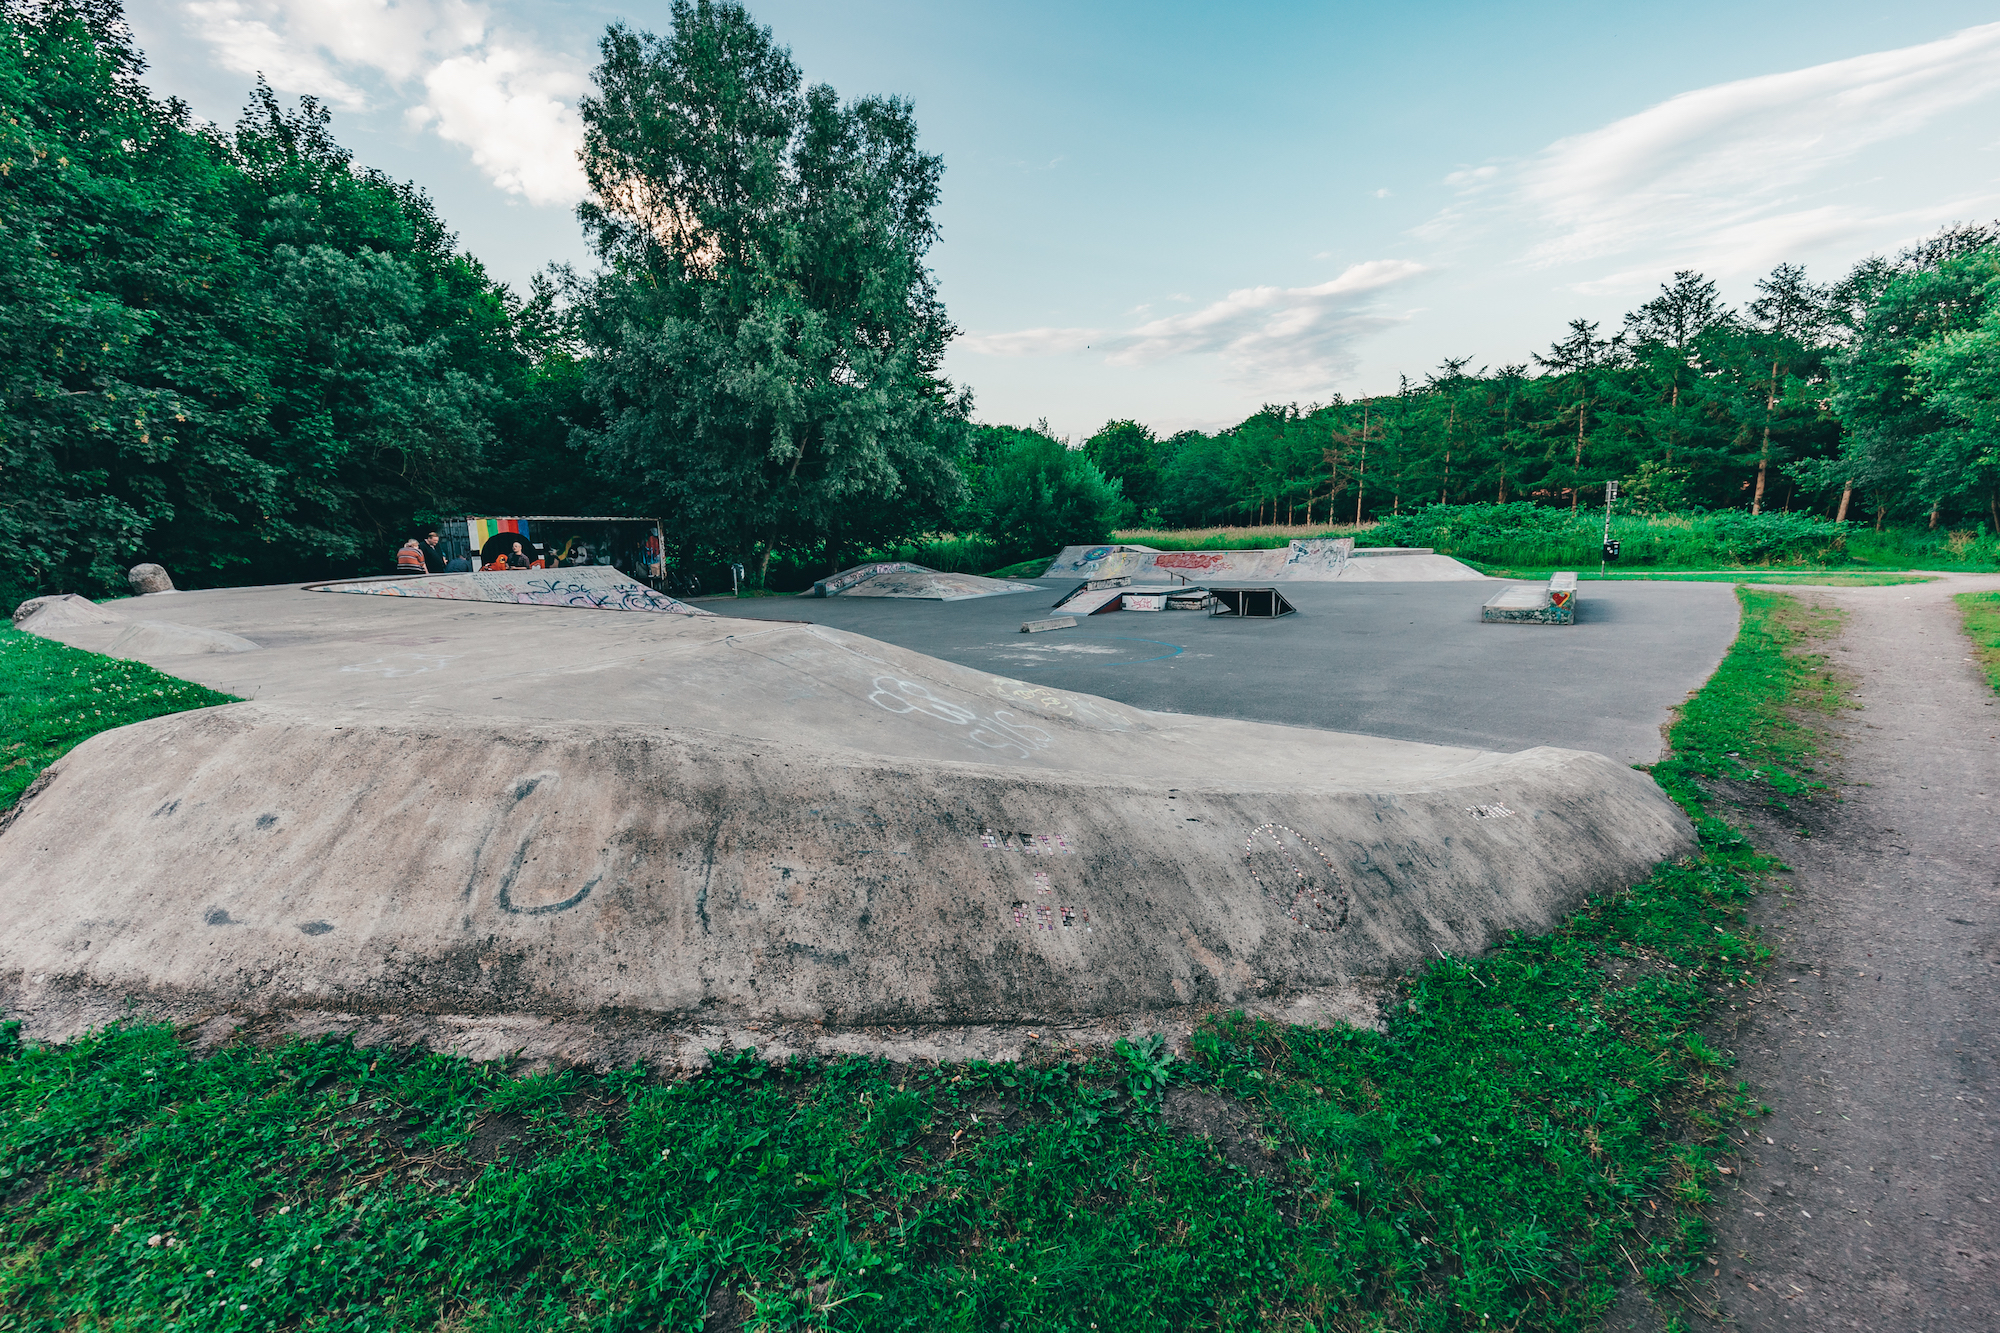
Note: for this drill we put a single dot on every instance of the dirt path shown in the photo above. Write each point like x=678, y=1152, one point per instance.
x=1870, y=1198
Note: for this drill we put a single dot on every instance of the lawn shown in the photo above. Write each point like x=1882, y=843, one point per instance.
x=52, y=697
x=1531, y=1129
x=1981, y=612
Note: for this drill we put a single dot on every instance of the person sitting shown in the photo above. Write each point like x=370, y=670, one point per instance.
x=460, y=564
x=410, y=560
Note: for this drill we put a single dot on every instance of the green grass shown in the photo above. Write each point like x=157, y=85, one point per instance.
x=53, y=697
x=1531, y=1129
x=1838, y=578
x=1981, y=611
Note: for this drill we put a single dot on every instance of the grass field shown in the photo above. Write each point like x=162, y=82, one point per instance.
x=1834, y=578
x=1981, y=612
x=1530, y=1130
x=52, y=697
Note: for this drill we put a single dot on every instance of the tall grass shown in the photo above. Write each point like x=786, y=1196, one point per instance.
x=1232, y=539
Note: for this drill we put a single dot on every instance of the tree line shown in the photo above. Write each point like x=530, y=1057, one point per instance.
x=237, y=352
x=1872, y=398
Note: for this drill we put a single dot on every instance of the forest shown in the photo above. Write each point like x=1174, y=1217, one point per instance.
x=238, y=352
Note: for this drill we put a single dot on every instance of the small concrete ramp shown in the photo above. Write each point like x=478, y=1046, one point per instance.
x=588, y=587
x=900, y=578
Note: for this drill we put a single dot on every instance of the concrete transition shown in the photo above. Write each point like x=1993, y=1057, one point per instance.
x=147, y=579
x=599, y=837
x=1316, y=560
x=899, y=578
x=587, y=587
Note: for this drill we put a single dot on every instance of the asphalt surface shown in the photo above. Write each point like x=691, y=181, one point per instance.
x=1408, y=661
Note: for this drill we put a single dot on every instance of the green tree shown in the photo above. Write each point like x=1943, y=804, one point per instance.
x=1129, y=453
x=765, y=337
x=1036, y=495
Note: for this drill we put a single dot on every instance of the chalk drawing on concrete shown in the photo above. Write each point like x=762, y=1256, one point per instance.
x=1292, y=869
x=1003, y=730
x=1489, y=812
x=1073, y=707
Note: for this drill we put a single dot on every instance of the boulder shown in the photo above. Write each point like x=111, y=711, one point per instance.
x=149, y=578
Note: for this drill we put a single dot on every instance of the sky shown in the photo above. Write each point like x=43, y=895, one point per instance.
x=1177, y=213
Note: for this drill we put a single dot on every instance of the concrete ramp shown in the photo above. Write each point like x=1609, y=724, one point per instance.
x=603, y=837
x=900, y=578
x=587, y=587
x=1318, y=560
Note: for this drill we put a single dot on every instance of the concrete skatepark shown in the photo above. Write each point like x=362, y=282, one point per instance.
x=593, y=835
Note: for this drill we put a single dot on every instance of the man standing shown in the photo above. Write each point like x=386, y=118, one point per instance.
x=434, y=561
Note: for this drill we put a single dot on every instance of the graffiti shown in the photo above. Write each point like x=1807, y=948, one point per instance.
x=1052, y=917
x=405, y=664
x=1291, y=868
x=1002, y=731
x=1489, y=812
x=1191, y=560
x=591, y=589
x=1042, y=844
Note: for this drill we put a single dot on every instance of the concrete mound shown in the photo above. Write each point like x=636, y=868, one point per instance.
x=899, y=578
x=143, y=640
x=676, y=833
x=39, y=615
x=1315, y=560
x=587, y=587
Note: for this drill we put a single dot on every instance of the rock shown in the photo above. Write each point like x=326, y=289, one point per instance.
x=38, y=615
x=149, y=578
x=163, y=638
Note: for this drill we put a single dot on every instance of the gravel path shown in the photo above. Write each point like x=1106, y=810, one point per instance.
x=1870, y=1197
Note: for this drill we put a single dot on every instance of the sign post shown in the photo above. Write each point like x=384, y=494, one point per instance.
x=1610, y=551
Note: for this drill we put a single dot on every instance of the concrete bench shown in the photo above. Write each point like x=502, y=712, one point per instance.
x=1551, y=603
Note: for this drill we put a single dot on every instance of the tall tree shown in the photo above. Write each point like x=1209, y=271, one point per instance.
x=766, y=336
x=1789, y=314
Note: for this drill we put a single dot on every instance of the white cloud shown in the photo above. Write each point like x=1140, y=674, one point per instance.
x=1733, y=177
x=1273, y=338
x=507, y=101
x=1028, y=342
x=1277, y=337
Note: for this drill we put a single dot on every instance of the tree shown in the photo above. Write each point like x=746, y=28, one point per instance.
x=1037, y=495
x=1130, y=454
x=1578, y=360
x=766, y=336
x=1789, y=314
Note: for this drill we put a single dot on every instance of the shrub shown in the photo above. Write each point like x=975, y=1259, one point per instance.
x=1036, y=496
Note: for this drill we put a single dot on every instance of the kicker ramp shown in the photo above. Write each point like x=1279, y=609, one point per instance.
x=601, y=837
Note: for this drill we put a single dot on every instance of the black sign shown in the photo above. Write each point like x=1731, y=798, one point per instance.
x=1611, y=550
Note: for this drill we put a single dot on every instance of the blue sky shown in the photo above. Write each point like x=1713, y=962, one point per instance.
x=1178, y=212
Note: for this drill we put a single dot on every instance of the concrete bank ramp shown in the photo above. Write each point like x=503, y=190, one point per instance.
x=1320, y=560
x=674, y=833
x=586, y=587
x=900, y=578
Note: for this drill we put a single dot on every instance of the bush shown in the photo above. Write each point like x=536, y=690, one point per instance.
x=1523, y=535
x=1036, y=496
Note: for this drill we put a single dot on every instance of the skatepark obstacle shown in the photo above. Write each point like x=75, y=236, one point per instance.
x=602, y=836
